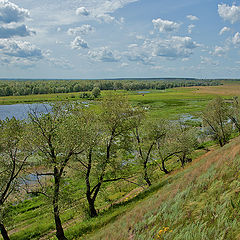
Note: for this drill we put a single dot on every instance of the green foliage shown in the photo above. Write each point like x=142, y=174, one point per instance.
x=96, y=92
x=108, y=130
x=58, y=136
x=146, y=136
x=216, y=118
x=55, y=134
x=85, y=95
x=167, y=146
x=104, y=131
x=28, y=87
x=14, y=154
x=202, y=203
x=185, y=142
x=234, y=113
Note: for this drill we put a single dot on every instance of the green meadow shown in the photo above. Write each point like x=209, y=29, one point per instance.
x=130, y=212
x=167, y=103
x=172, y=102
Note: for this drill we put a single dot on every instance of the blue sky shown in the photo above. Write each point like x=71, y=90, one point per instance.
x=119, y=38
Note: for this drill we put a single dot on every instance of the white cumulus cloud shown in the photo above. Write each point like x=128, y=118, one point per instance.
x=61, y=62
x=190, y=28
x=219, y=51
x=104, y=54
x=105, y=18
x=229, y=13
x=100, y=10
x=172, y=48
x=20, y=31
x=192, y=18
x=139, y=57
x=133, y=45
x=20, y=49
x=82, y=11
x=236, y=38
x=223, y=30
x=79, y=43
x=10, y=12
x=82, y=30
x=139, y=53
x=165, y=25
x=11, y=18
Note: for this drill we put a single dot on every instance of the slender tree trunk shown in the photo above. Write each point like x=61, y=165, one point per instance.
x=220, y=142
x=91, y=200
x=91, y=205
x=92, y=194
x=146, y=178
x=163, y=167
x=145, y=166
x=59, y=229
x=182, y=159
x=225, y=141
x=4, y=232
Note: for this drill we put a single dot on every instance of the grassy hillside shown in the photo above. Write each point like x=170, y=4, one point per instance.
x=203, y=202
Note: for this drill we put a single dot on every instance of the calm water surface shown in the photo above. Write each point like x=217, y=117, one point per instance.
x=20, y=111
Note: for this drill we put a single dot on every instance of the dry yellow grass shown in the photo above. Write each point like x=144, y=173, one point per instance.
x=223, y=90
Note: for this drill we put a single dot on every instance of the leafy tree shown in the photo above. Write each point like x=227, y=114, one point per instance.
x=216, y=117
x=147, y=135
x=13, y=159
x=166, y=147
x=106, y=136
x=9, y=88
x=96, y=92
x=184, y=142
x=58, y=136
x=234, y=113
x=86, y=95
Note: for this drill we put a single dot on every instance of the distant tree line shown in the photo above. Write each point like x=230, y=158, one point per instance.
x=29, y=87
x=117, y=142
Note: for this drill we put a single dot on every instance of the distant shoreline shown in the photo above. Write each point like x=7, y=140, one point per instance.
x=112, y=79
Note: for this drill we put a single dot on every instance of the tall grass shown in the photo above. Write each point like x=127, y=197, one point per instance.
x=204, y=203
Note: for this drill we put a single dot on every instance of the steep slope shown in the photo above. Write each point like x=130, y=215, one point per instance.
x=203, y=202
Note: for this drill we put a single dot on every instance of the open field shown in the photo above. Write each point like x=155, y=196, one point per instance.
x=37, y=98
x=174, y=103
x=170, y=103
x=227, y=89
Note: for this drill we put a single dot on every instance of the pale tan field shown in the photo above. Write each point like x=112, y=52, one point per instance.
x=223, y=90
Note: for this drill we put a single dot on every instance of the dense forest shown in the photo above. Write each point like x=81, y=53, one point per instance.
x=29, y=87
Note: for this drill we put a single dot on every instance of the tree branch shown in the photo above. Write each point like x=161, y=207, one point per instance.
x=44, y=174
